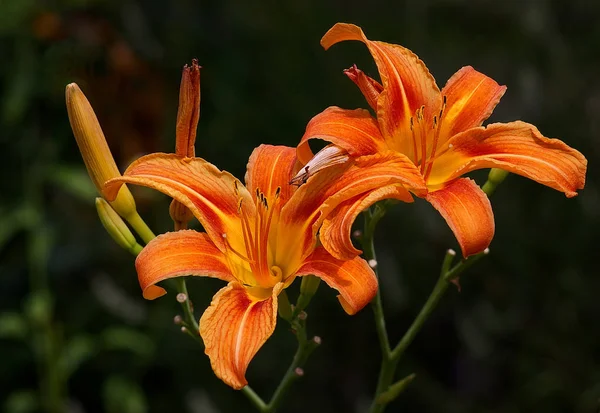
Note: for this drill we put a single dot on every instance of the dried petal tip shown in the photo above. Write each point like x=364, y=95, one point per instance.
x=188, y=113
x=92, y=144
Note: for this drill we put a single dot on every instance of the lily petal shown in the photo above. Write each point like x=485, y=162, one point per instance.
x=212, y=195
x=407, y=84
x=468, y=212
x=271, y=167
x=176, y=254
x=354, y=279
x=234, y=328
x=471, y=98
x=517, y=147
x=369, y=87
x=336, y=228
x=356, y=131
x=324, y=191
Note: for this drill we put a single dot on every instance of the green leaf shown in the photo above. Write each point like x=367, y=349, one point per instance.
x=77, y=351
x=119, y=338
x=24, y=401
x=395, y=389
x=13, y=325
x=121, y=395
x=75, y=181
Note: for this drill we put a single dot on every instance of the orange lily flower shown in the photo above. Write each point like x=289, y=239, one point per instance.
x=258, y=238
x=440, y=133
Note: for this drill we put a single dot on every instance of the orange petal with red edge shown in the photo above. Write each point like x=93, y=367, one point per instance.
x=356, y=131
x=369, y=87
x=468, y=212
x=336, y=228
x=354, y=279
x=324, y=191
x=471, y=98
x=234, y=328
x=517, y=147
x=407, y=84
x=176, y=254
x=212, y=195
x=271, y=167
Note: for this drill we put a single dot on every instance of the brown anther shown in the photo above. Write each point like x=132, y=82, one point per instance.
x=277, y=192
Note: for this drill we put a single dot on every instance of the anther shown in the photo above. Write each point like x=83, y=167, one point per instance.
x=177, y=320
x=299, y=371
x=181, y=298
x=303, y=315
x=450, y=146
x=411, y=123
x=317, y=340
x=372, y=263
x=277, y=192
x=184, y=330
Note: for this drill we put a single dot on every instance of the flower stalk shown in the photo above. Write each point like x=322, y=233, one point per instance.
x=386, y=391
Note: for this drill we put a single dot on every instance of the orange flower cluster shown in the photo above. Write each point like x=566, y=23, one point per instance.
x=261, y=234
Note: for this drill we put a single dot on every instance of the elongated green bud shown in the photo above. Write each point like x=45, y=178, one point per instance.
x=116, y=227
x=308, y=288
x=284, y=307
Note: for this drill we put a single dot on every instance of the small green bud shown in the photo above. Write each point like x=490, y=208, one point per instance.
x=116, y=227
x=309, y=285
x=284, y=306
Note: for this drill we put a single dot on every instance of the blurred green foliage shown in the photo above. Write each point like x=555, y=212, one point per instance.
x=75, y=333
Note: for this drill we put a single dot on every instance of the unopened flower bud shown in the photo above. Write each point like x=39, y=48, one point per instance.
x=180, y=214
x=92, y=144
x=309, y=285
x=284, y=307
x=116, y=227
x=188, y=113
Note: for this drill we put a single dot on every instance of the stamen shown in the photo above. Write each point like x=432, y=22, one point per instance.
x=436, y=136
x=230, y=248
x=412, y=129
x=423, y=135
x=277, y=192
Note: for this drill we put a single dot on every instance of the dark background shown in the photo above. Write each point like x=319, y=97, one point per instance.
x=522, y=336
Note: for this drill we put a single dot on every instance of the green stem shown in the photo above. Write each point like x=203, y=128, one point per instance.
x=294, y=371
x=255, y=399
x=186, y=305
x=391, y=357
x=140, y=226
